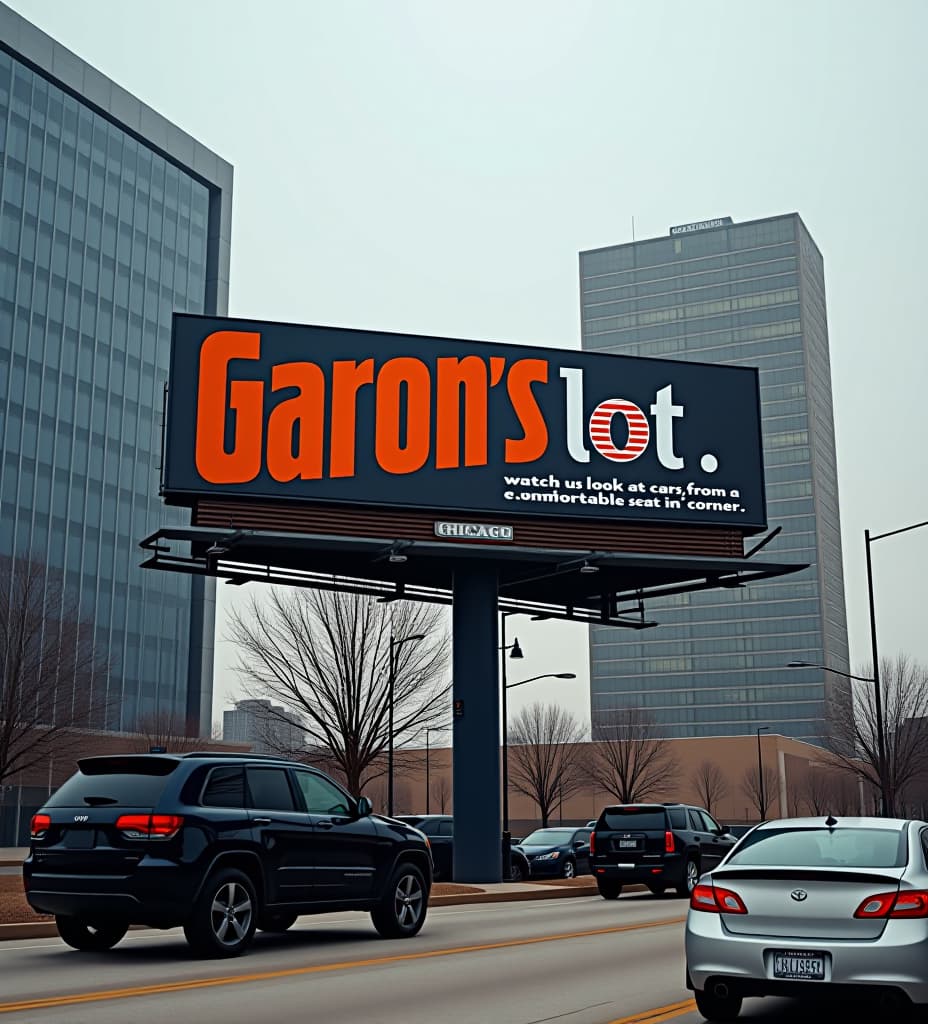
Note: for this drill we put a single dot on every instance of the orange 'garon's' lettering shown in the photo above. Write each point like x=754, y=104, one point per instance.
x=392, y=428
x=347, y=379
x=453, y=374
x=298, y=419
x=534, y=441
x=245, y=400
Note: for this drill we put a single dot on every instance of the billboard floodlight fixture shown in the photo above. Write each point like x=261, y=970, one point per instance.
x=395, y=553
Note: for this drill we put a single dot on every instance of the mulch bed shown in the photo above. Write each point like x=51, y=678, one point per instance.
x=13, y=906
x=581, y=880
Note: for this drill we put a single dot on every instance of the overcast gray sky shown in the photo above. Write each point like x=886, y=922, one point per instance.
x=435, y=167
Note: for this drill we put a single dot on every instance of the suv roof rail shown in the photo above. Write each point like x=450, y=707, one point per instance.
x=237, y=753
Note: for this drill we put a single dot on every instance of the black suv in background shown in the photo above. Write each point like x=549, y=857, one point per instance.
x=662, y=845
x=440, y=831
x=220, y=844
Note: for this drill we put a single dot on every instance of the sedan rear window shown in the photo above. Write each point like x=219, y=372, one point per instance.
x=115, y=781
x=822, y=848
x=636, y=819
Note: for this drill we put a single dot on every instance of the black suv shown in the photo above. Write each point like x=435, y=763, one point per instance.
x=440, y=831
x=662, y=845
x=221, y=844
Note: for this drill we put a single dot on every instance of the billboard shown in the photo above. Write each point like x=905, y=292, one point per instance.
x=298, y=413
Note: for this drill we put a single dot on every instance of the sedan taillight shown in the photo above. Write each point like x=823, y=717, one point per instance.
x=40, y=825
x=715, y=900
x=149, y=826
x=910, y=903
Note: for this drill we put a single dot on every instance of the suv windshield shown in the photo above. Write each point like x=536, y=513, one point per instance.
x=638, y=819
x=549, y=837
x=823, y=848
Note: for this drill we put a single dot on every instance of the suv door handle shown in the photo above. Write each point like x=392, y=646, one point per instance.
x=325, y=823
x=261, y=821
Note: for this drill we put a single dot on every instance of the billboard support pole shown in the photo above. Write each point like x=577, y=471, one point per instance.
x=475, y=685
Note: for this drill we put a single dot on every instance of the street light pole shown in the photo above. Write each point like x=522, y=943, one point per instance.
x=394, y=644
x=886, y=794
x=880, y=756
x=877, y=687
x=887, y=808
x=516, y=653
x=760, y=773
x=512, y=686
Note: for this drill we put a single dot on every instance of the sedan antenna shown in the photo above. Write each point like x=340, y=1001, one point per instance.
x=831, y=822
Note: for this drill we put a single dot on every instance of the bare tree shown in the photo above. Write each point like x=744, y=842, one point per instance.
x=325, y=657
x=829, y=790
x=630, y=760
x=711, y=785
x=543, y=755
x=441, y=793
x=50, y=669
x=852, y=734
x=167, y=729
x=763, y=796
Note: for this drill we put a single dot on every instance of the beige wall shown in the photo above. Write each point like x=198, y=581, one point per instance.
x=792, y=760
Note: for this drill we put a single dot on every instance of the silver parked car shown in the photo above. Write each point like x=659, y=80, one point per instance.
x=813, y=906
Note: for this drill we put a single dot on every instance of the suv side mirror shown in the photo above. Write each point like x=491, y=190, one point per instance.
x=365, y=807
x=578, y=843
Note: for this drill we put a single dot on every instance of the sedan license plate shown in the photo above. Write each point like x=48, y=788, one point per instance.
x=798, y=965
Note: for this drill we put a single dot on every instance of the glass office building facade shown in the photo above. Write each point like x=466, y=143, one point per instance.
x=748, y=294
x=110, y=219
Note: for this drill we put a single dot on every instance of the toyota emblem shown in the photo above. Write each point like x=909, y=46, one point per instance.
x=799, y=895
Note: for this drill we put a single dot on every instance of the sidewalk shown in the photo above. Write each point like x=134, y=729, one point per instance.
x=12, y=856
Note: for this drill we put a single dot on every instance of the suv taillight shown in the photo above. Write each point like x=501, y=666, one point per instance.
x=715, y=900
x=149, y=826
x=40, y=825
x=913, y=903
x=668, y=842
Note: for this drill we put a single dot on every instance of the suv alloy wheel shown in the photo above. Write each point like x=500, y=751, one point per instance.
x=223, y=919
x=690, y=878
x=402, y=909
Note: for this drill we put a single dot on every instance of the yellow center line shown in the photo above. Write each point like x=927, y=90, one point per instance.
x=659, y=1013
x=292, y=972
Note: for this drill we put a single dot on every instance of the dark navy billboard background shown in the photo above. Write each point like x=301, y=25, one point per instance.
x=299, y=413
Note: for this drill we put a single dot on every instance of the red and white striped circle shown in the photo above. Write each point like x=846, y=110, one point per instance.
x=639, y=430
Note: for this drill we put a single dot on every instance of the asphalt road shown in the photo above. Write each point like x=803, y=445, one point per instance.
x=574, y=961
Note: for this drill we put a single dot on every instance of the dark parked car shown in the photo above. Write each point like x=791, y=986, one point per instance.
x=440, y=830
x=662, y=845
x=557, y=852
x=220, y=844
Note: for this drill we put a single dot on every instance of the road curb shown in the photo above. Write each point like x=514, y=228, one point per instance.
x=554, y=892
x=47, y=930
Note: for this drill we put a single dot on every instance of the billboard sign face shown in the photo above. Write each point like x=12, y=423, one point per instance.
x=286, y=412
